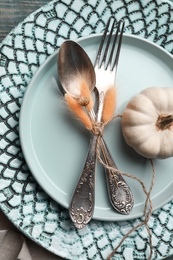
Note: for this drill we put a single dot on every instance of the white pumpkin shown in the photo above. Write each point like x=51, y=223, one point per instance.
x=147, y=123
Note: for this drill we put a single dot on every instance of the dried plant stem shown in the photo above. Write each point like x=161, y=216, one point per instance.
x=148, y=203
x=85, y=94
x=109, y=105
x=78, y=111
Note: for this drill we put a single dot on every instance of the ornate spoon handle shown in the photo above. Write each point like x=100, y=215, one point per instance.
x=119, y=192
x=83, y=200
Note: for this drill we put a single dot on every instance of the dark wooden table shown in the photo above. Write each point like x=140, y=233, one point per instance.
x=12, y=12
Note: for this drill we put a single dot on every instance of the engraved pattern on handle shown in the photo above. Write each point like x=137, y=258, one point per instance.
x=83, y=201
x=119, y=192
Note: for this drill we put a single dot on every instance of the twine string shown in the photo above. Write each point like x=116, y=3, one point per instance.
x=148, y=203
x=98, y=129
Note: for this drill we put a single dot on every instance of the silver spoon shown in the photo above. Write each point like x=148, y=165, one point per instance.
x=73, y=62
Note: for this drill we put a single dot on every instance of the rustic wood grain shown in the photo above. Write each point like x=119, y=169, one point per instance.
x=12, y=12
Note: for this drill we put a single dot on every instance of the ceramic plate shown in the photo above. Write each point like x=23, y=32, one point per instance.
x=22, y=199
x=55, y=144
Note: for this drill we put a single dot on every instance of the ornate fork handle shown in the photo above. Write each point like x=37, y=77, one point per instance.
x=119, y=192
x=83, y=201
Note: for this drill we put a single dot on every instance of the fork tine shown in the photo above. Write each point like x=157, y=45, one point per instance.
x=100, y=59
x=107, y=45
x=113, y=46
x=116, y=51
x=101, y=43
x=115, y=63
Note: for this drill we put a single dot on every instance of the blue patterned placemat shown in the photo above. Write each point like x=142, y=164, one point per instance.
x=22, y=199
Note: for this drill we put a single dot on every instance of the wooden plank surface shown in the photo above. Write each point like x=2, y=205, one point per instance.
x=12, y=12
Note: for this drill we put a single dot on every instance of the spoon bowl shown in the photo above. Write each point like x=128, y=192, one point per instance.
x=75, y=67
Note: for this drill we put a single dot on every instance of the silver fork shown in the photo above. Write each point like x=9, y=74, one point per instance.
x=83, y=200
x=106, y=64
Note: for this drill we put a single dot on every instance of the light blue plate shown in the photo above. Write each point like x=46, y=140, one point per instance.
x=55, y=144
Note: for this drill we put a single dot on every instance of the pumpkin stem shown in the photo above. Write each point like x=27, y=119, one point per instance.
x=164, y=121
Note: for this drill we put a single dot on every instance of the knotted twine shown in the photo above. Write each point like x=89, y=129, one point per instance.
x=98, y=129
